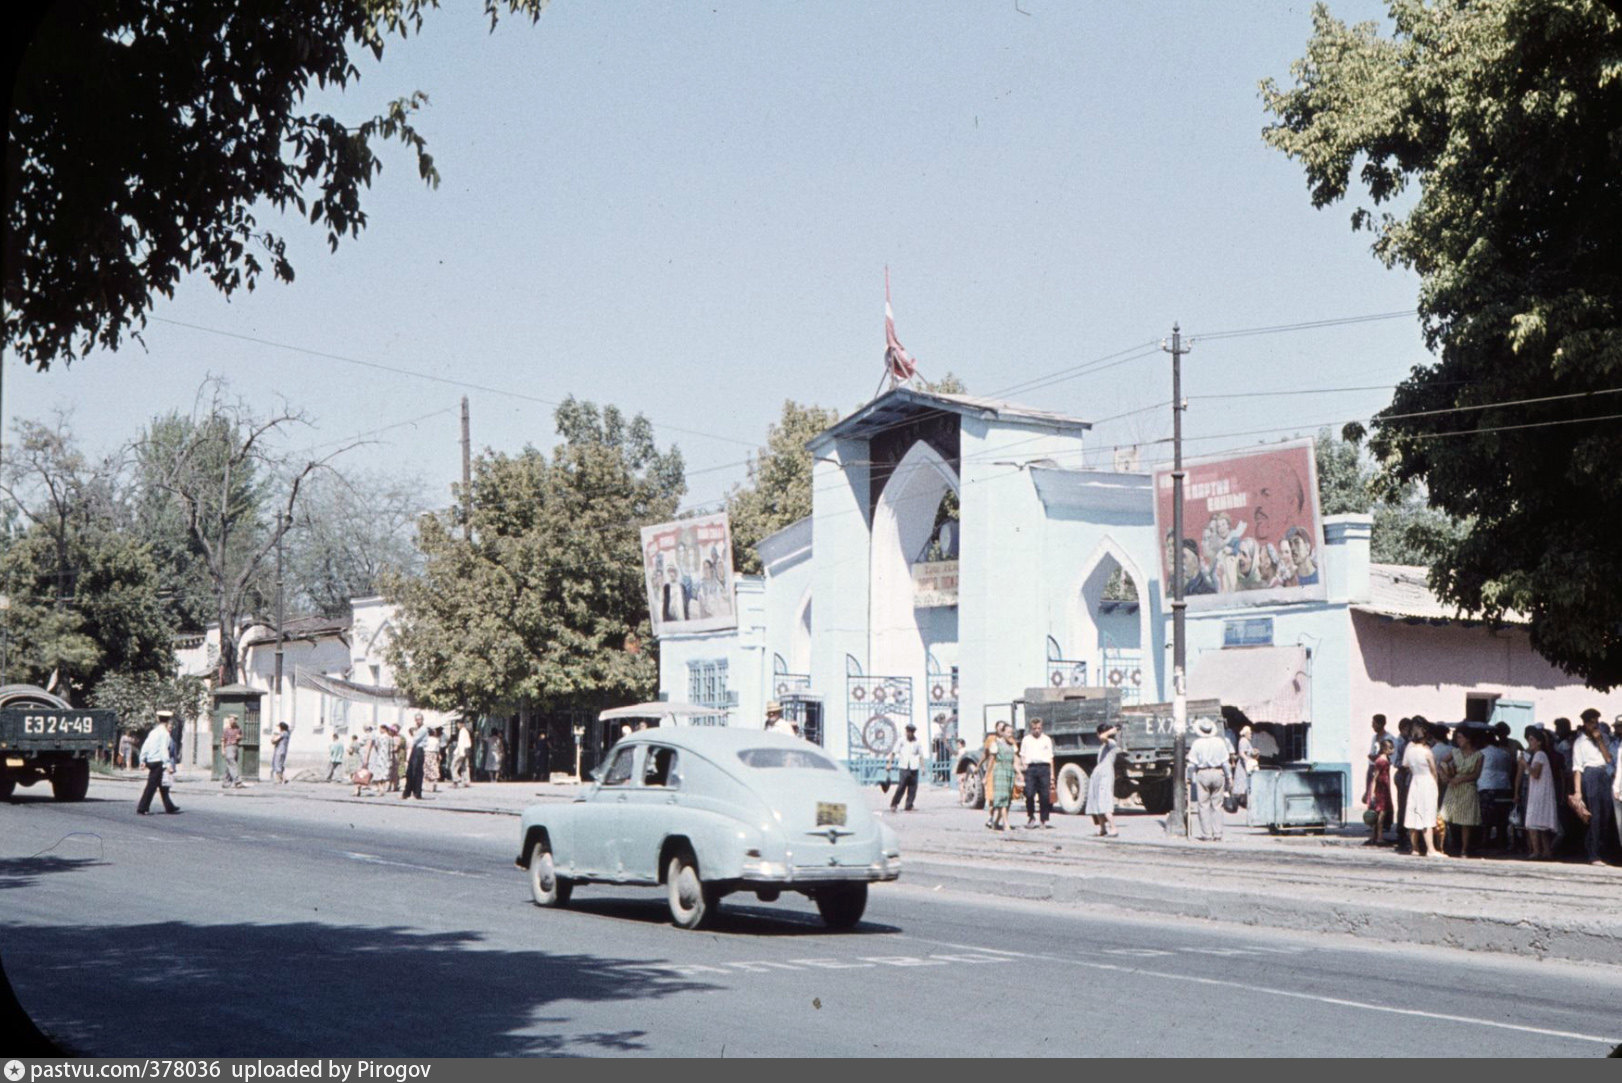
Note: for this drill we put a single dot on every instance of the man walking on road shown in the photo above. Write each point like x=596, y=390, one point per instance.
x=1036, y=749
x=1208, y=764
x=231, y=753
x=459, y=759
x=156, y=756
x=908, y=756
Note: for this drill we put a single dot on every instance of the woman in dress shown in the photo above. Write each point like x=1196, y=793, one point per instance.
x=378, y=758
x=1420, y=816
x=432, y=748
x=278, y=755
x=1461, y=805
x=1379, y=799
x=1101, y=787
x=397, y=756
x=1002, y=778
x=1542, y=808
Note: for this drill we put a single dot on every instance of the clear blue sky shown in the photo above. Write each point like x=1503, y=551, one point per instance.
x=686, y=209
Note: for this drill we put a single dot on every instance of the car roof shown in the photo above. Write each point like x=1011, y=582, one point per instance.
x=715, y=740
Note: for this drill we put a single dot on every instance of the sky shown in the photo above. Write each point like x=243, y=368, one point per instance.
x=687, y=209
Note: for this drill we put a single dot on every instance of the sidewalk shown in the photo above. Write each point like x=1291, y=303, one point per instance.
x=1326, y=883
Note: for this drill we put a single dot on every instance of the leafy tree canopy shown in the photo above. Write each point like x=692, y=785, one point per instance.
x=1407, y=530
x=545, y=602
x=143, y=134
x=1503, y=114
x=778, y=492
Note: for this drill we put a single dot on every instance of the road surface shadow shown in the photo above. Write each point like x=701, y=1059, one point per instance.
x=23, y=871
x=742, y=919
x=310, y=989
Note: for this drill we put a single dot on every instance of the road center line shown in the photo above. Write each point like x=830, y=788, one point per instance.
x=1290, y=993
x=373, y=859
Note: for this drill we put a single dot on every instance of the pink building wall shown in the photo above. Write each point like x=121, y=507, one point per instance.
x=1402, y=669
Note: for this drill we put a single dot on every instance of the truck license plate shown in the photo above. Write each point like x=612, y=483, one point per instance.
x=829, y=814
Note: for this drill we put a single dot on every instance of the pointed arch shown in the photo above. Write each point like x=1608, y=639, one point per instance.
x=903, y=521
x=1086, y=589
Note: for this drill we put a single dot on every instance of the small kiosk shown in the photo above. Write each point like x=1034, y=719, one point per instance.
x=242, y=701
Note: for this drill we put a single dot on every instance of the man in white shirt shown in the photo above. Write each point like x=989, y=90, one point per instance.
x=1208, y=767
x=156, y=755
x=1591, y=784
x=462, y=758
x=908, y=757
x=1036, y=749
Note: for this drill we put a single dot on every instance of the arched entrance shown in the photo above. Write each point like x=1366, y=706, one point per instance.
x=1109, y=622
x=905, y=523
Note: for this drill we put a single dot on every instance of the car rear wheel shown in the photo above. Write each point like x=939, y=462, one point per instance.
x=1072, y=787
x=7, y=785
x=546, y=887
x=692, y=902
x=842, y=906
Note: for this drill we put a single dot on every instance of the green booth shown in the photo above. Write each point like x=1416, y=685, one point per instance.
x=242, y=701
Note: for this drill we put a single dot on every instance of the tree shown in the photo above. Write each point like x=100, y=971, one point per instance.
x=1406, y=529
x=545, y=604
x=138, y=697
x=83, y=591
x=215, y=467
x=108, y=206
x=347, y=532
x=1504, y=114
x=779, y=489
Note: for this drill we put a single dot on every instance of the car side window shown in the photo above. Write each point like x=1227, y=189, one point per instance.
x=619, y=769
x=661, y=768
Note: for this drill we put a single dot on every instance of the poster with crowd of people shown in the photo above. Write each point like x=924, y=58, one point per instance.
x=1251, y=530
x=688, y=568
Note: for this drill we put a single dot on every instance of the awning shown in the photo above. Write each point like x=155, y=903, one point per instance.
x=350, y=690
x=1269, y=684
x=659, y=709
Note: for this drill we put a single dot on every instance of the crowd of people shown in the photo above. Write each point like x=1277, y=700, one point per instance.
x=1469, y=789
x=381, y=759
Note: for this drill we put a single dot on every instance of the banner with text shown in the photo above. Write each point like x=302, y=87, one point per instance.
x=1251, y=530
x=687, y=566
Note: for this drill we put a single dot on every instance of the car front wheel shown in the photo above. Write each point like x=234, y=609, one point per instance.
x=546, y=887
x=842, y=907
x=692, y=902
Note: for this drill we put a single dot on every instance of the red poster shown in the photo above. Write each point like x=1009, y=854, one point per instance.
x=1251, y=529
x=687, y=565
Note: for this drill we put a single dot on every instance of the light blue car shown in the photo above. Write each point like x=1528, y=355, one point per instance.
x=706, y=812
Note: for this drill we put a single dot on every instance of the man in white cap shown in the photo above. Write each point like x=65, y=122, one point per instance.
x=774, y=719
x=1208, y=767
x=158, y=756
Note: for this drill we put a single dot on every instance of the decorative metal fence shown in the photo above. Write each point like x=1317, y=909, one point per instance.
x=1123, y=669
x=942, y=726
x=877, y=710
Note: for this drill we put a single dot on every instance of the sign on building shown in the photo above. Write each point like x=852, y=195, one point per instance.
x=1251, y=530
x=934, y=583
x=687, y=566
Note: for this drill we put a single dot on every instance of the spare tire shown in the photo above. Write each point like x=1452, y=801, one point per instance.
x=1072, y=787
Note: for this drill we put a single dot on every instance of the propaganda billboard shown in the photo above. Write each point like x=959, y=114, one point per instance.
x=1252, y=534
x=687, y=566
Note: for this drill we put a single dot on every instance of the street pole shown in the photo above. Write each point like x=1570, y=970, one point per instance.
x=276, y=693
x=1177, y=822
x=467, y=475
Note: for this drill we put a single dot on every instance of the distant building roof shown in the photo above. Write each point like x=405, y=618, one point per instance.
x=1401, y=591
x=896, y=407
x=301, y=628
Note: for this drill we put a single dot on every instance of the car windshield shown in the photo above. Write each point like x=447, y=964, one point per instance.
x=785, y=757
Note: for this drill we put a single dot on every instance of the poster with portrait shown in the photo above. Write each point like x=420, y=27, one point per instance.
x=1252, y=534
x=687, y=566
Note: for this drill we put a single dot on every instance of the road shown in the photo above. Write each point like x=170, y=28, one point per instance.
x=285, y=927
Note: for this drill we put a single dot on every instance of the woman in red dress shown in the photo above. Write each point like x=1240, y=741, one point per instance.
x=1378, y=798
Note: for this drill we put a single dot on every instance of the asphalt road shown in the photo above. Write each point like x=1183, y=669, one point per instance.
x=272, y=926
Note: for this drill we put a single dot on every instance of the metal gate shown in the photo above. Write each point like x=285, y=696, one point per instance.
x=877, y=710
x=942, y=723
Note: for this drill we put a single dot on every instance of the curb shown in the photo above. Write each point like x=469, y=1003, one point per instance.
x=1574, y=940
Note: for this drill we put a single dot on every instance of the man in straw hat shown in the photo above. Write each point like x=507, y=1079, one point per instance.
x=1208, y=767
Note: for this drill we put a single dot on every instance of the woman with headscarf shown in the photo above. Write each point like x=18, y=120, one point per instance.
x=1101, y=786
x=1002, y=777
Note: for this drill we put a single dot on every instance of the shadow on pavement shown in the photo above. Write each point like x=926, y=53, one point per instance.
x=734, y=919
x=23, y=871
x=309, y=989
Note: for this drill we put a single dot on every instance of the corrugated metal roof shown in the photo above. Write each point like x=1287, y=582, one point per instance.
x=1401, y=591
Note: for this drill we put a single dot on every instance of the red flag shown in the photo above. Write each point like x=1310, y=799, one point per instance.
x=901, y=365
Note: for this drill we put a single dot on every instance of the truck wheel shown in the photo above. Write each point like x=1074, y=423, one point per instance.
x=842, y=907
x=1072, y=787
x=1158, y=797
x=71, y=780
x=7, y=785
x=971, y=790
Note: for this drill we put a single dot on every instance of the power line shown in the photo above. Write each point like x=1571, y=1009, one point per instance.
x=397, y=370
x=1309, y=325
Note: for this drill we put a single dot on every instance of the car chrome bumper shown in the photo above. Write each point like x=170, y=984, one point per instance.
x=774, y=872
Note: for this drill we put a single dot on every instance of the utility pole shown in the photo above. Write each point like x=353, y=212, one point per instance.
x=467, y=475
x=1177, y=822
x=276, y=694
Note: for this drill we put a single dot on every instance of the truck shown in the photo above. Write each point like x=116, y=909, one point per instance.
x=1071, y=716
x=44, y=738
